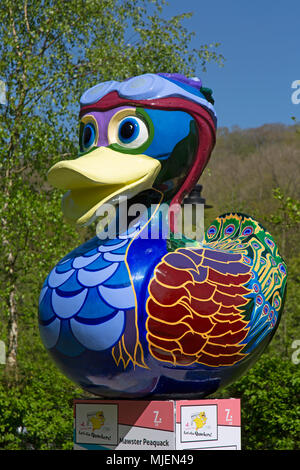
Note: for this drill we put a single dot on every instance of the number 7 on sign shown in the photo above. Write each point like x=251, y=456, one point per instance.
x=228, y=416
x=157, y=420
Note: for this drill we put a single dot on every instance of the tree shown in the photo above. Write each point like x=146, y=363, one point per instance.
x=287, y=216
x=51, y=51
x=286, y=222
x=269, y=395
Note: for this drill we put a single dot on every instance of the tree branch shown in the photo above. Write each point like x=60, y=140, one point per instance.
x=26, y=17
x=15, y=33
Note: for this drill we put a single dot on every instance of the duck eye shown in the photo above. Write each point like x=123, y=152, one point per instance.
x=88, y=136
x=132, y=132
x=128, y=130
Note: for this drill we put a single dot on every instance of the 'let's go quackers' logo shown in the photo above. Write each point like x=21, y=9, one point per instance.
x=200, y=420
x=96, y=420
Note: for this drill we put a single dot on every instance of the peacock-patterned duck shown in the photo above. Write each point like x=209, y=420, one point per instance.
x=143, y=311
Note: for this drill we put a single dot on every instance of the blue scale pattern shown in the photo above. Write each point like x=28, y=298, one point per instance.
x=85, y=298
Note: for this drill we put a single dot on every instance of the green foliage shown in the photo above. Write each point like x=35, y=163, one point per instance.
x=289, y=210
x=269, y=395
x=39, y=413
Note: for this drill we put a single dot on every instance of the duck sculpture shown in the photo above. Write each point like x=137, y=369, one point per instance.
x=142, y=310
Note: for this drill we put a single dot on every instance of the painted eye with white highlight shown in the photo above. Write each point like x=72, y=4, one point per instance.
x=132, y=132
x=88, y=134
x=127, y=130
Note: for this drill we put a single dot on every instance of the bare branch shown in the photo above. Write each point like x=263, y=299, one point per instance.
x=15, y=33
x=26, y=17
x=46, y=46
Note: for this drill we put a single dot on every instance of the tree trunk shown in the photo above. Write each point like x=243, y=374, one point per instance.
x=12, y=347
x=11, y=300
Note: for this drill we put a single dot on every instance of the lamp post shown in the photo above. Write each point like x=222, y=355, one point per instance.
x=196, y=202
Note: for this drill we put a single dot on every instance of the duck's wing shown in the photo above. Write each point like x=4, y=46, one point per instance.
x=213, y=304
x=85, y=299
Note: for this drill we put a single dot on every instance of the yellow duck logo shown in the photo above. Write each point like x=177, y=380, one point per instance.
x=200, y=420
x=97, y=420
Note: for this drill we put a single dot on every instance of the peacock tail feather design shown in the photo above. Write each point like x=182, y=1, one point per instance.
x=268, y=270
x=212, y=304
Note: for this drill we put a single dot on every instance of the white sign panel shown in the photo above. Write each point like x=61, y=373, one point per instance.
x=199, y=423
x=97, y=424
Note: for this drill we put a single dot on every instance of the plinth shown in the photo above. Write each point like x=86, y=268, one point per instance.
x=157, y=425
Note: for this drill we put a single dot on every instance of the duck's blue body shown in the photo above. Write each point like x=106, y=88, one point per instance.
x=145, y=313
x=95, y=322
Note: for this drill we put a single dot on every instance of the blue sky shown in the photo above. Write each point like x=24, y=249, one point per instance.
x=260, y=41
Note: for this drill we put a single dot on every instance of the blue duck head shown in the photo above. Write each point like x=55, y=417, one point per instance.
x=151, y=131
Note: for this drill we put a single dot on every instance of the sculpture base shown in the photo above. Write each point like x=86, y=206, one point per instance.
x=157, y=425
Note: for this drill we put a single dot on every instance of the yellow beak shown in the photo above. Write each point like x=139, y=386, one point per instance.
x=99, y=177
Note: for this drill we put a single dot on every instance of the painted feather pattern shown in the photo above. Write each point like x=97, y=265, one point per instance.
x=211, y=305
x=87, y=300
